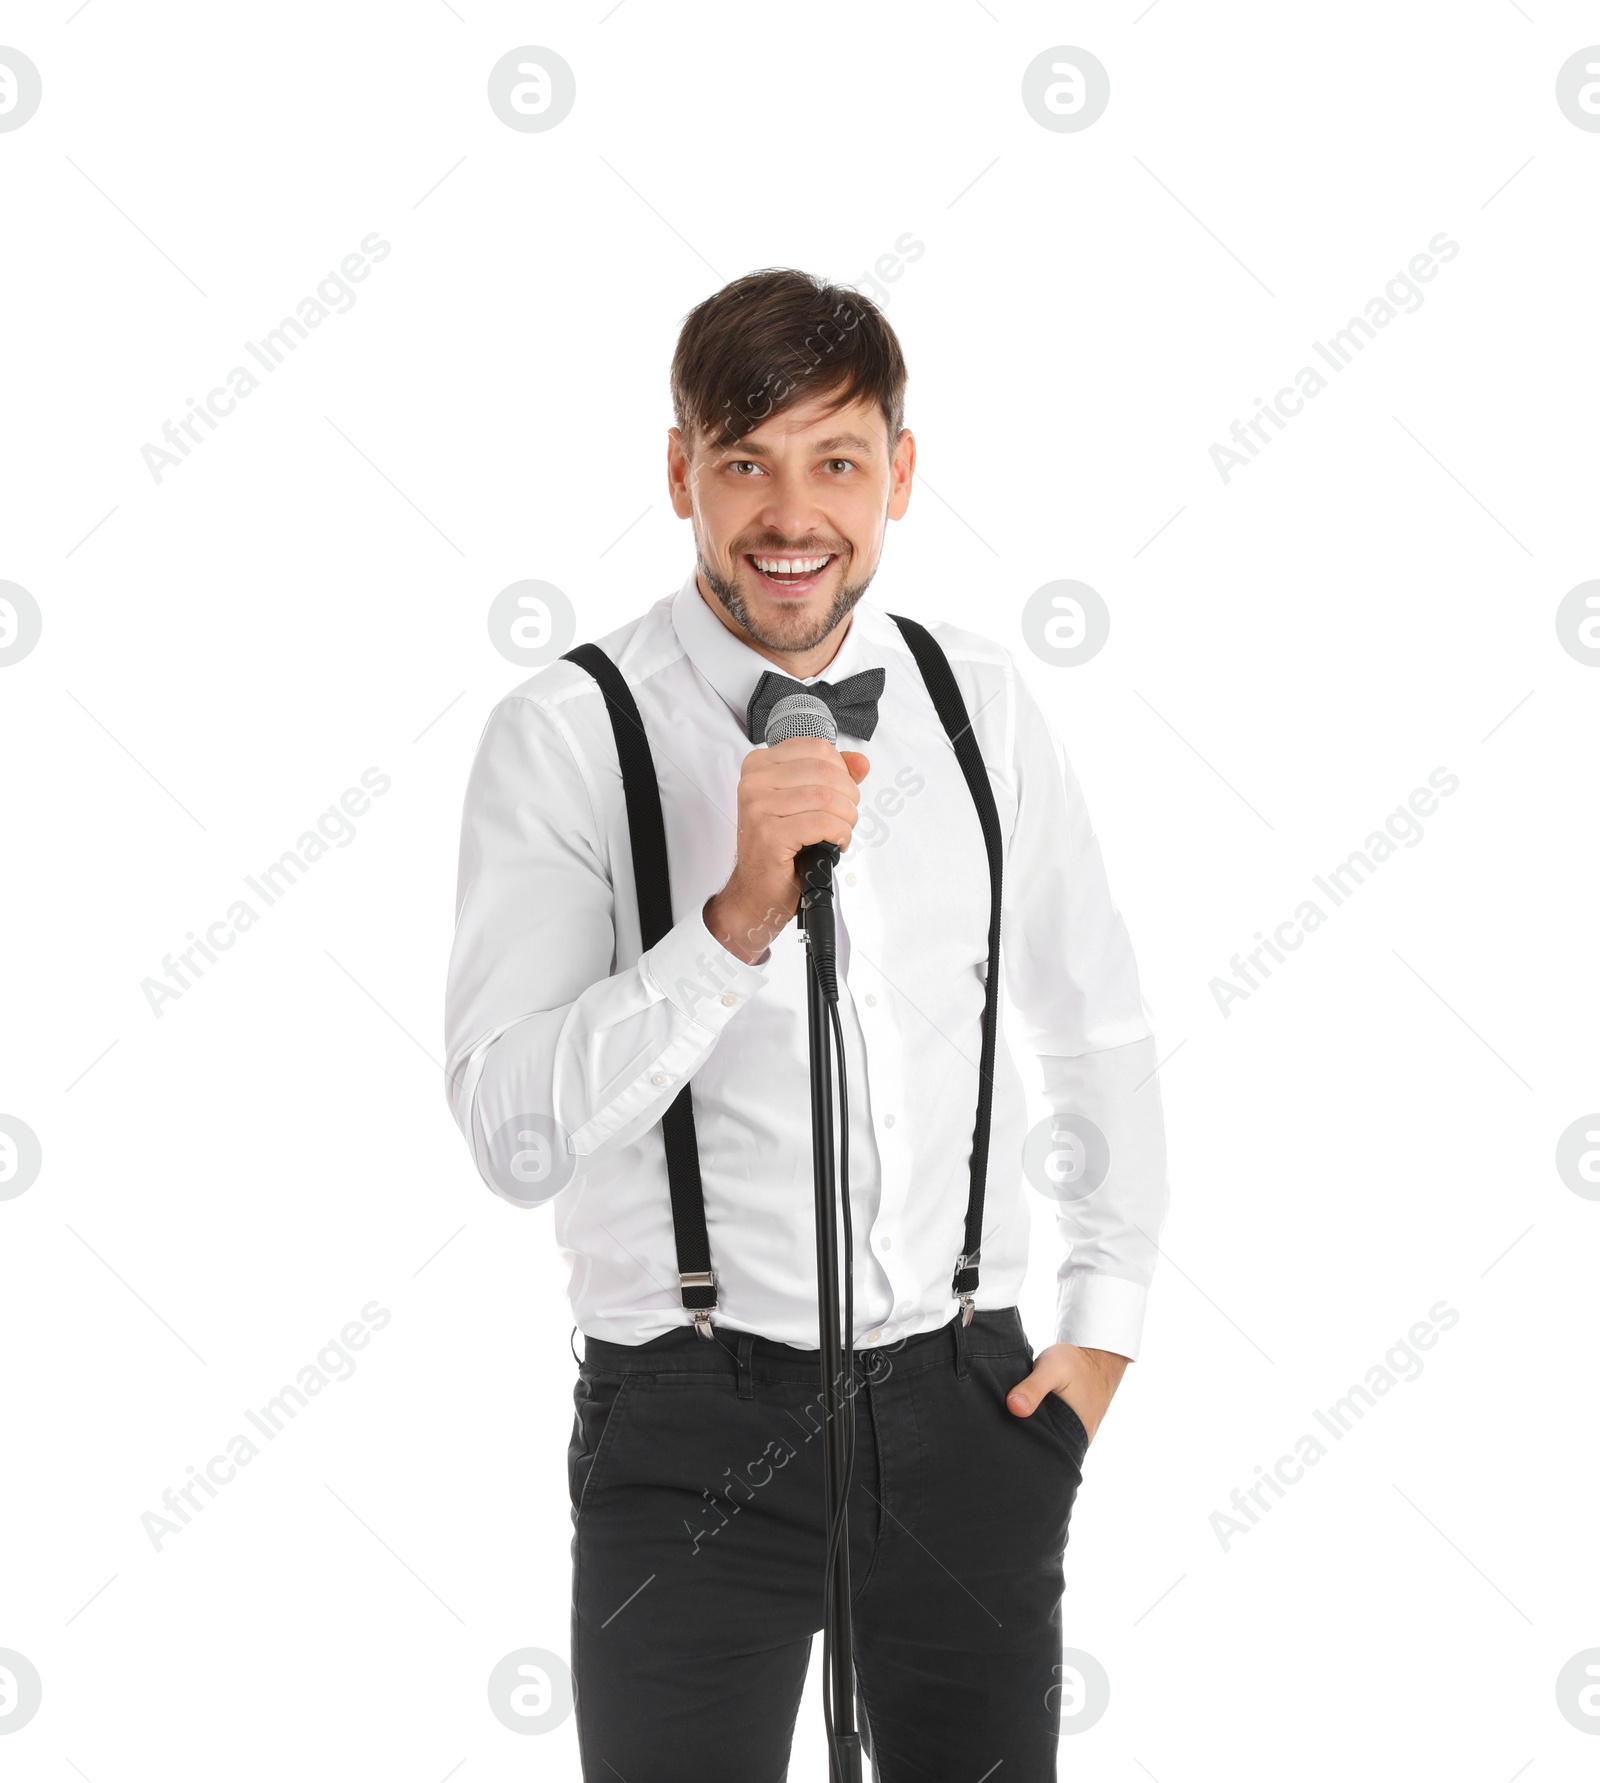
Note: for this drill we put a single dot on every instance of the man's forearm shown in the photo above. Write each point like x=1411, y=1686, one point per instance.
x=1110, y=1226
x=602, y=1066
x=746, y=926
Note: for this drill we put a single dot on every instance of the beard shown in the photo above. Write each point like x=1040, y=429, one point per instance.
x=802, y=633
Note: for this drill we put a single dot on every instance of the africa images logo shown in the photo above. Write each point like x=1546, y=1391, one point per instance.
x=332, y=297
x=1401, y=296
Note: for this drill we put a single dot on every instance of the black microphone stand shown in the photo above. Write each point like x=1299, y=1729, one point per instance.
x=815, y=865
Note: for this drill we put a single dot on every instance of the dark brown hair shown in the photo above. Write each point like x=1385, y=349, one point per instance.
x=773, y=338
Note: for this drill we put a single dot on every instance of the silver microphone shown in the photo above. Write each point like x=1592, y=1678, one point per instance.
x=800, y=715
x=804, y=715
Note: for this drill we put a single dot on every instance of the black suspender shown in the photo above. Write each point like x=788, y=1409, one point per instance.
x=952, y=710
x=647, y=838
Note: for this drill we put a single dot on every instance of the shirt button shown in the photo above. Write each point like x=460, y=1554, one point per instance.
x=883, y=1243
x=728, y=999
x=658, y=1077
x=849, y=878
x=888, y=1120
x=872, y=1001
x=873, y=1336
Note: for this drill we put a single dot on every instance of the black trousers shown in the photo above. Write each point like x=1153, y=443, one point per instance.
x=695, y=1471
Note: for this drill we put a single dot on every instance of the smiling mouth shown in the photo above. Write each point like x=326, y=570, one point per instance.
x=790, y=575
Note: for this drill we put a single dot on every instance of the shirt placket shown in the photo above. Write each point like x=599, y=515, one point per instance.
x=861, y=907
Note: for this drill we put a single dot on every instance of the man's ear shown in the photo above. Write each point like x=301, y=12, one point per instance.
x=680, y=473
x=901, y=467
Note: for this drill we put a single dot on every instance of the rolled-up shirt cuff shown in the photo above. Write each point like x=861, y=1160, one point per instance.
x=1101, y=1312
x=691, y=968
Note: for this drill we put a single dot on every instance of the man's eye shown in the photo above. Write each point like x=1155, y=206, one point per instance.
x=850, y=462
x=744, y=461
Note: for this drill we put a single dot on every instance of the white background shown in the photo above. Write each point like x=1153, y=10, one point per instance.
x=225, y=651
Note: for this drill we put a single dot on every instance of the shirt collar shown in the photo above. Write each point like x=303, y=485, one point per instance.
x=730, y=666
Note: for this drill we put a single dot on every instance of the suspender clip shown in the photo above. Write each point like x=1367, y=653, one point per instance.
x=965, y=1294
x=701, y=1278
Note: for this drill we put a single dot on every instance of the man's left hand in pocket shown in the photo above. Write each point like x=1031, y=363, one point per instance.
x=1086, y=1379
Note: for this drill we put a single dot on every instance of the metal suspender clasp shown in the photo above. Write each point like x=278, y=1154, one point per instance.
x=701, y=1278
x=965, y=1293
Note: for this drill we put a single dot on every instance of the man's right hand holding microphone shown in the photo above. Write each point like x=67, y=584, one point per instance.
x=791, y=794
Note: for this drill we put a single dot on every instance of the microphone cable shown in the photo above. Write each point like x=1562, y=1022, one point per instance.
x=836, y=1527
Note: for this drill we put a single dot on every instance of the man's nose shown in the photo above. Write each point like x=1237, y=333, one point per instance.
x=791, y=512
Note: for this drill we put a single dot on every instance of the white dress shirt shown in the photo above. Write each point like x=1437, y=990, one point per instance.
x=552, y=1011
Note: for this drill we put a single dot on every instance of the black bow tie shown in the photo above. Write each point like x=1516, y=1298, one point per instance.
x=852, y=701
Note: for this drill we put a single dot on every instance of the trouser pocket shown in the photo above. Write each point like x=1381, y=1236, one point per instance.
x=598, y=1401
x=1069, y=1423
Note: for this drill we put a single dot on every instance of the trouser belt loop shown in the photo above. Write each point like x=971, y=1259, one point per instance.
x=747, y=1344
x=959, y=1339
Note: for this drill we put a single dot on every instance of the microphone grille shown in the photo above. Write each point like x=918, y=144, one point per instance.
x=800, y=715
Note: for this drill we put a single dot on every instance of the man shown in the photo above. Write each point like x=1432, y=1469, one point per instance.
x=657, y=1095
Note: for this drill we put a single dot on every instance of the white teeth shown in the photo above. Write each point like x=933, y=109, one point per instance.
x=789, y=566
